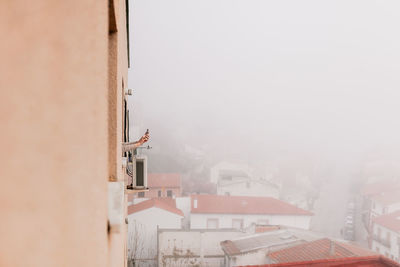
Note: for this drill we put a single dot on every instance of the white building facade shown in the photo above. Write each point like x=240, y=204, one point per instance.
x=239, y=221
x=381, y=207
x=228, y=170
x=247, y=187
x=386, y=235
x=222, y=212
x=143, y=221
x=193, y=247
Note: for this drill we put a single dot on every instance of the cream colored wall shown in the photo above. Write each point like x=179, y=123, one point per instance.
x=143, y=225
x=392, y=252
x=54, y=138
x=175, y=246
x=199, y=220
x=257, y=257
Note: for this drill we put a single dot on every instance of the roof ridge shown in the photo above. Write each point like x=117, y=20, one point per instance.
x=337, y=243
x=153, y=203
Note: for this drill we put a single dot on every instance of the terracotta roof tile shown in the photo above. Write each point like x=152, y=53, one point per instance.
x=154, y=202
x=364, y=261
x=317, y=250
x=229, y=247
x=163, y=180
x=390, y=221
x=243, y=205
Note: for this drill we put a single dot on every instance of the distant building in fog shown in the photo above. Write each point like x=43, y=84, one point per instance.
x=216, y=212
x=237, y=180
x=246, y=186
x=378, y=199
x=163, y=185
x=385, y=203
x=226, y=170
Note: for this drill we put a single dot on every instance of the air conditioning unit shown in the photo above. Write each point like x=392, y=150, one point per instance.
x=140, y=172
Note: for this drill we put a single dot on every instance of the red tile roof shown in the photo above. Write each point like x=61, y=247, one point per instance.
x=167, y=200
x=163, y=180
x=154, y=202
x=244, y=205
x=317, y=250
x=390, y=221
x=365, y=261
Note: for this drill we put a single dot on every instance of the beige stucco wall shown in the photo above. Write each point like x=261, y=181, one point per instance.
x=117, y=73
x=54, y=145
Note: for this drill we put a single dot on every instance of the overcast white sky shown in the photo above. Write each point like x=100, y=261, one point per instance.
x=313, y=76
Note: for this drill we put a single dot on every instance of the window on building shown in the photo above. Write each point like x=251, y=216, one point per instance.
x=379, y=232
x=159, y=193
x=141, y=194
x=212, y=223
x=388, y=236
x=237, y=223
x=169, y=193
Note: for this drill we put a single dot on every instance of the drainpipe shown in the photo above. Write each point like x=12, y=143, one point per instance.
x=332, y=249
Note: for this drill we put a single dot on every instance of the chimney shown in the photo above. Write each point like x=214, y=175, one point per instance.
x=332, y=248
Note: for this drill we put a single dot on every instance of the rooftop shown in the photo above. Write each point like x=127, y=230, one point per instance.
x=390, y=221
x=318, y=250
x=283, y=237
x=364, y=261
x=244, y=205
x=163, y=204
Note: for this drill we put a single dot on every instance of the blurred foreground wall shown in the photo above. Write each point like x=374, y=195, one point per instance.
x=62, y=71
